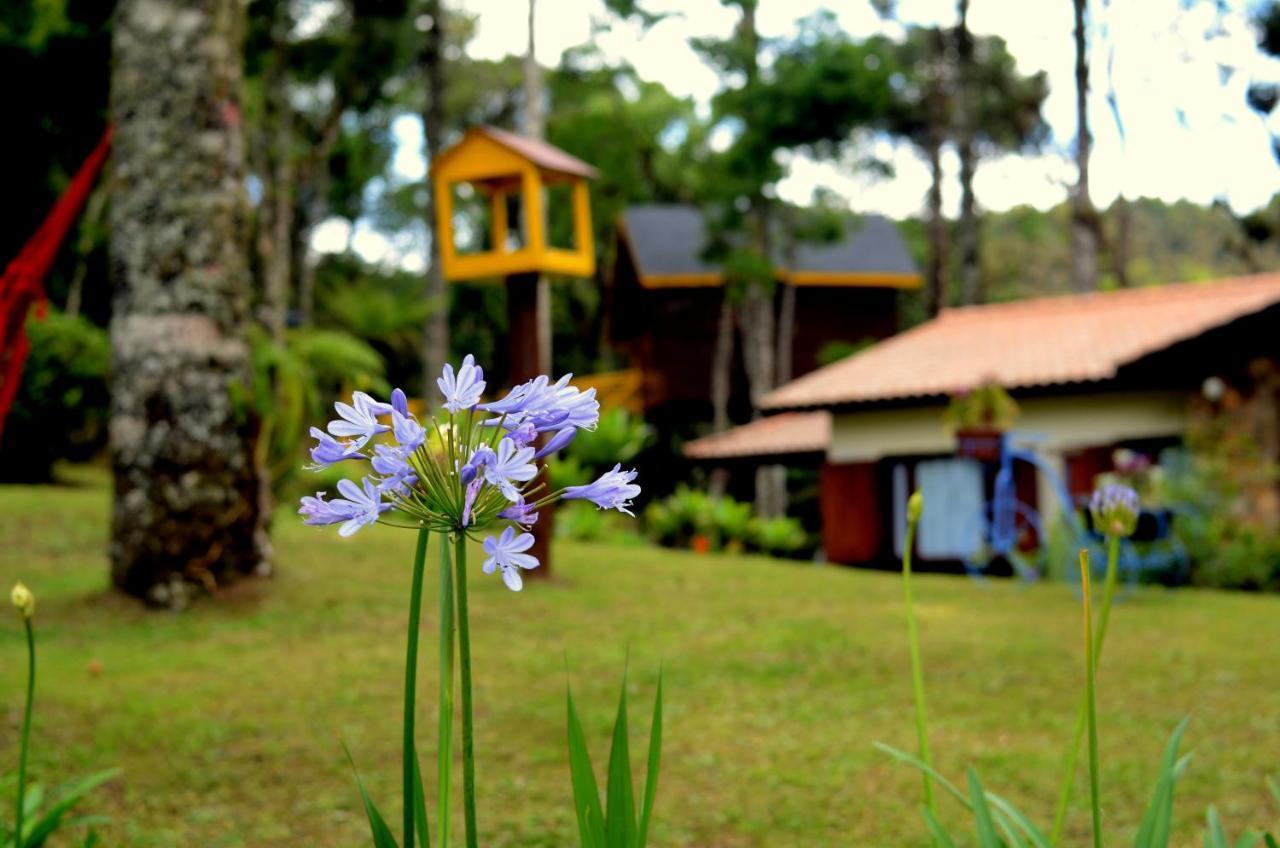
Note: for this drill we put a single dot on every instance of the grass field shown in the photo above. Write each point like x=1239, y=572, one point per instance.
x=228, y=720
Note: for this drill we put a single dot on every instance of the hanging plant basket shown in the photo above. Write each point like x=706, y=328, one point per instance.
x=981, y=443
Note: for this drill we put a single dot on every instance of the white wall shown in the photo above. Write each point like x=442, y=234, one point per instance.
x=1068, y=423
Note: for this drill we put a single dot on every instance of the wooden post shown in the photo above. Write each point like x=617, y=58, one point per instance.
x=528, y=337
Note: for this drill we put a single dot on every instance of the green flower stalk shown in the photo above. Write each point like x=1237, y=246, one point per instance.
x=915, y=507
x=25, y=602
x=1114, y=510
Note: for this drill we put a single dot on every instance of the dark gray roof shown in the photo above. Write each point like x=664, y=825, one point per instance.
x=671, y=238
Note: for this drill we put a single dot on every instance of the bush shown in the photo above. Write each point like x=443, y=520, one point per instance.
x=689, y=514
x=583, y=522
x=780, y=537
x=62, y=406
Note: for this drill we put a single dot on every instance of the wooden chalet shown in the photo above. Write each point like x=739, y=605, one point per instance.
x=666, y=301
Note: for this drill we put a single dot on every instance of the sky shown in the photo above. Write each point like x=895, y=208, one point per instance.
x=1188, y=133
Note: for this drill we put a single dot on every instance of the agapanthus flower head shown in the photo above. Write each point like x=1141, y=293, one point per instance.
x=1115, y=509
x=614, y=490
x=23, y=599
x=459, y=475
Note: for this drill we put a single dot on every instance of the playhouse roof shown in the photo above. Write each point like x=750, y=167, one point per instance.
x=777, y=435
x=1045, y=341
x=540, y=153
x=667, y=241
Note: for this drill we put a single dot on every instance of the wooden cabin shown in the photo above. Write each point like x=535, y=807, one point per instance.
x=666, y=301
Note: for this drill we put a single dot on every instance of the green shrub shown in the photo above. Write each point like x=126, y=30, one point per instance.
x=61, y=408
x=780, y=537
x=690, y=513
x=583, y=522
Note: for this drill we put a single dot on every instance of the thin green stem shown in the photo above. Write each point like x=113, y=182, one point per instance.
x=1073, y=753
x=411, y=681
x=1091, y=699
x=464, y=655
x=26, y=729
x=444, y=744
x=917, y=665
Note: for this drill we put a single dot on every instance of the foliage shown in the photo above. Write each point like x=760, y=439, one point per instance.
x=832, y=352
x=582, y=522
x=779, y=537
x=1219, y=488
x=291, y=384
x=989, y=405
x=61, y=408
x=619, y=437
x=614, y=824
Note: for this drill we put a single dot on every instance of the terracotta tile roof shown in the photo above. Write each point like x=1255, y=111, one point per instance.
x=541, y=153
x=788, y=433
x=1040, y=342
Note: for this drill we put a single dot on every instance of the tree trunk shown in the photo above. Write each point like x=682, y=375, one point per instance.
x=1084, y=220
x=279, y=268
x=937, y=269
x=1123, y=240
x=970, y=260
x=187, y=512
x=435, y=335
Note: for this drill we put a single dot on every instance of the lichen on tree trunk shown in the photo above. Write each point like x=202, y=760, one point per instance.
x=187, y=512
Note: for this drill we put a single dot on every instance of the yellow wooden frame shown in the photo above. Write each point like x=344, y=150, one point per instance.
x=494, y=170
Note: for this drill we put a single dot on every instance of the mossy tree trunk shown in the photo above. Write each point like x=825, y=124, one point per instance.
x=187, y=513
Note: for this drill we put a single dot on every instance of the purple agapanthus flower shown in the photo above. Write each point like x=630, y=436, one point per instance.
x=393, y=464
x=557, y=442
x=509, y=466
x=520, y=513
x=469, y=499
x=480, y=457
x=359, y=419
x=518, y=399
x=329, y=450
x=523, y=434
x=463, y=389
x=614, y=490
x=507, y=552
x=317, y=512
x=365, y=505
x=1115, y=509
x=408, y=432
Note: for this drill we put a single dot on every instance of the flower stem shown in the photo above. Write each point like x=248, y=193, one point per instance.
x=411, y=682
x=1073, y=753
x=464, y=654
x=444, y=744
x=1091, y=699
x=26, y=728
x=917, y=665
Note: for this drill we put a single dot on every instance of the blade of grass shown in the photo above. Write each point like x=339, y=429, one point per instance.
x=586, y=794
x=1090, y=684
x=1154, y=830
x=911, y=760
x=651, y=775
x=420, y=804
x=1214, y=835
x=70, y=796
x=382, y=837
x=987, y=837
x=620, y=804
x=940, y=836
x=1034, y=834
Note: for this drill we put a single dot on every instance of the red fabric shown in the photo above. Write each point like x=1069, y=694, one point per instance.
x=22, y=285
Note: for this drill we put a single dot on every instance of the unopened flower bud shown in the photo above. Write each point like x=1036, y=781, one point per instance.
x=915, y=506
x=1114, y=509
x=23, y=600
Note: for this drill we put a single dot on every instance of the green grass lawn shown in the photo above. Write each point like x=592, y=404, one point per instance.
x=228, y=720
